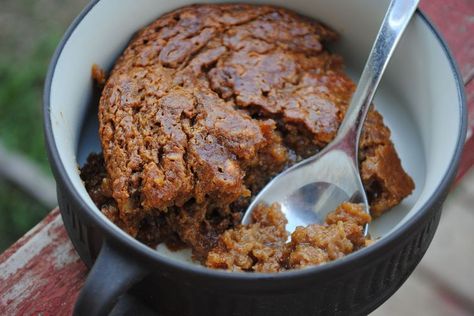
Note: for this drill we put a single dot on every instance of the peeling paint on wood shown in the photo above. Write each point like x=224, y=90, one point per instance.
x=467, y=159
x=455, y=21
x=41, y=274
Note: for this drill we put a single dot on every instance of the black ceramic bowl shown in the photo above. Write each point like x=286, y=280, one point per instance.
x=422, y=101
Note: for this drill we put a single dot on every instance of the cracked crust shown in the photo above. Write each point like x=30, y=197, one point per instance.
x=209, y=102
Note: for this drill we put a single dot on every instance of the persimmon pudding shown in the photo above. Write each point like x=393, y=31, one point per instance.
x=202, y=109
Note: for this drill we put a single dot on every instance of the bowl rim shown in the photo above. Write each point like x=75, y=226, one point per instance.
x=186, y=270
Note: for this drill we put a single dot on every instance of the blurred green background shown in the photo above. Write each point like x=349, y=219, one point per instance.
x=29, y=33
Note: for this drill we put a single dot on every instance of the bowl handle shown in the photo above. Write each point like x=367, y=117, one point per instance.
x=111, y=276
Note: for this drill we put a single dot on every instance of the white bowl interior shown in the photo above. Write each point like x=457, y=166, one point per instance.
x=418, y=96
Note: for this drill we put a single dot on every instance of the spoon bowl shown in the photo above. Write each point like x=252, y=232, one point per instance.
x=309, y=190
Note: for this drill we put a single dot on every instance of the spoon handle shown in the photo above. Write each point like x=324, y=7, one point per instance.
x=394, y=23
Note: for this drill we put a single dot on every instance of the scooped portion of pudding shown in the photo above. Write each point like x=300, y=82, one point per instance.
x=262, y=246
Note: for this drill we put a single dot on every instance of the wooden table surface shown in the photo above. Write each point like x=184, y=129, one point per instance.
x=41, y=274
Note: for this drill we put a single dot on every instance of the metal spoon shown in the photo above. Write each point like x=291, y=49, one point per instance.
x=315, y=186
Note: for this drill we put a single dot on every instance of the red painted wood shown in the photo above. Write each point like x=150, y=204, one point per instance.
x=467, y=160
x=23, y=240
x=41, y=273
x=455, y=20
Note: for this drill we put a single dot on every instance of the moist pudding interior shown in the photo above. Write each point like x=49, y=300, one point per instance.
x=262, y=246
x=205, y=106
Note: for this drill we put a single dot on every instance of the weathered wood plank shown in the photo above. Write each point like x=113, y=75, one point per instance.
x=455, y=20
x=41, y=274
x=467, y=159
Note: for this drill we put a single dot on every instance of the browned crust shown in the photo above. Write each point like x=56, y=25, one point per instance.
x=209, y=102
